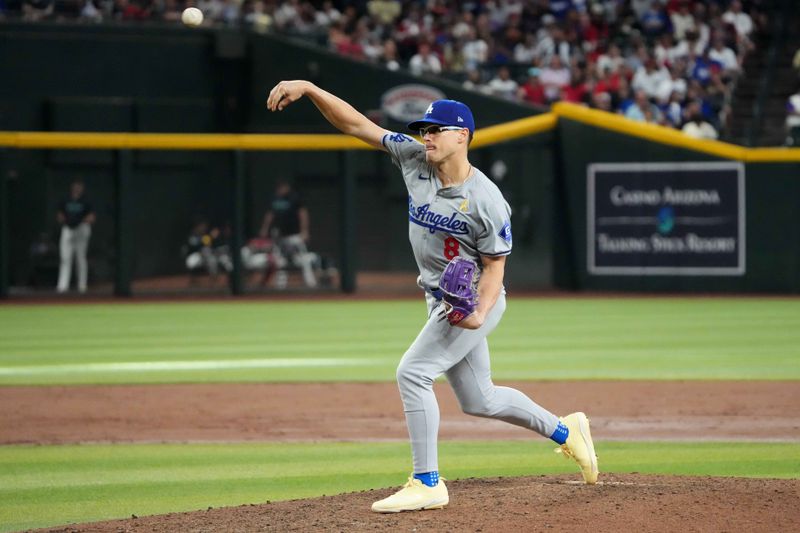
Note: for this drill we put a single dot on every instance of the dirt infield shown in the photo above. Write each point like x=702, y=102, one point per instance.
x=622, y=503
x=625, y=410
x=318, y=412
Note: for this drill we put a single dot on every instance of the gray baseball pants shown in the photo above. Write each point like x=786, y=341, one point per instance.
x=73, y=244
x=463, y=356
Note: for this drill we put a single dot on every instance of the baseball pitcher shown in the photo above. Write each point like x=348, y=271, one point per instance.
x=459, y=226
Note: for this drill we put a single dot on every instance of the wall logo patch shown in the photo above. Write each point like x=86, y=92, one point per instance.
x=505, y=232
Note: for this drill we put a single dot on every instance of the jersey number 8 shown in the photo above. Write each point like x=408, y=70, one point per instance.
x=450, y=248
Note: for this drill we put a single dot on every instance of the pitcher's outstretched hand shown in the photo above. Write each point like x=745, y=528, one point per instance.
x=285, y=93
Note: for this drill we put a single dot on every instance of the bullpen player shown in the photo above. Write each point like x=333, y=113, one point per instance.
x=455, y=213
x=76, y=216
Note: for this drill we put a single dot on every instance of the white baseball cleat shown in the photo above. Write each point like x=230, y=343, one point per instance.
x=579, y=446
x=414, y=496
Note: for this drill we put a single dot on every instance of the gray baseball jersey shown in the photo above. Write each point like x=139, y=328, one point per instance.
x=470, y=220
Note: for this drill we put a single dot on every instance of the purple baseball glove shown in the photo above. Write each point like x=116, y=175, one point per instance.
x=458, y=284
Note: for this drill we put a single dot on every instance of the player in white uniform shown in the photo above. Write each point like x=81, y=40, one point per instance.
x=454, y=209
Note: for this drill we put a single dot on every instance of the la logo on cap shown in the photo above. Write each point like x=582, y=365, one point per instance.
x=429, y=110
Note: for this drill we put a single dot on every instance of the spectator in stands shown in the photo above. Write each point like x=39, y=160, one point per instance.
x=697, y=126
x=561, y=46
x=474, y=82
x=554, y=77
x=672, y=110
x=475, y=50
x=286, y=12
x=464, y=23
x=502, y=85
x=576, y=91
x=91, y=12
x=642, y=110
x=667, y=51
x=726, y=57
x=454, y=56
x=740, y=20
x=654, y=20
x=532, y=91
x=425, y=61
x=703, y=31
x=389, y=57
x=602, y=101
x=306, y=22
x=796, y=62
x=606, y=82
x=601, y=45
x=328, y=15
x=793, y=119
x=649, y=77
x=525, y=52
x=675, y=83
x=682, y=21
x=369, y=42
x=703, y=67
x=611, y=61
x=128, y=10
x=385, y=12
x=35, y=10
x=258, y=18
x=640, y=7
x=692, y=44
x=622, y=98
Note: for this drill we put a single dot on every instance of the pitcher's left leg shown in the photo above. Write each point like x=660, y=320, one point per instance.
x=471, y=380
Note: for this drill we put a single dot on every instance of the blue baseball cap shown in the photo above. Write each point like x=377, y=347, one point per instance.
x=446, y=113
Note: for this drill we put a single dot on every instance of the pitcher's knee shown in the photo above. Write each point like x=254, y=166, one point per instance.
x=411, y=375
x=483, y=409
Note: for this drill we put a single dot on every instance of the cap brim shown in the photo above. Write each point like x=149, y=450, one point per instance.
x=419, y=124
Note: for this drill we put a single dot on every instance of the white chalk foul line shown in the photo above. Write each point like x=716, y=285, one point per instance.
x=162, y=366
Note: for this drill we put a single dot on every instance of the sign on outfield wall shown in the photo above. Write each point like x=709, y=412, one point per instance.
x=685, y=219
x=405, y=103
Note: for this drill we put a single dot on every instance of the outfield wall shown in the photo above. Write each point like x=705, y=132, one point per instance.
x=161, y=80
x=764, y=229
x=173, y=79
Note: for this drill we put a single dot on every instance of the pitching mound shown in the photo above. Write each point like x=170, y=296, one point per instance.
x=619, y=503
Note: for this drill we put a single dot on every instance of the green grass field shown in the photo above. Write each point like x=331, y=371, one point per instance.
x=49, y=485
x=662, y=338
x=363, y=340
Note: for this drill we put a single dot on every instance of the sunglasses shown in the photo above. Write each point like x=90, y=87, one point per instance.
x=433, y=130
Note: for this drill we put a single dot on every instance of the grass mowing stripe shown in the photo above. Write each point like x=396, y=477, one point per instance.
x=636, y=338
x=50, y=485
x=160, y=366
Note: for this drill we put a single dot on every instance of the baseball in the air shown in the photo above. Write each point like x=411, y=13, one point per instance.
x=192, y=16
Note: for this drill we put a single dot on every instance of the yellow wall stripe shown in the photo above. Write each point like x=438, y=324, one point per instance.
x=514, y=130
x=179, y=141
x=302, y=142
x=672, y=137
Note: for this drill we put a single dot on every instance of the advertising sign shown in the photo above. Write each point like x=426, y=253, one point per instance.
x=666, y=219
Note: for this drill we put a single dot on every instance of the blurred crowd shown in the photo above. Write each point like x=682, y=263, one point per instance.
x=671, y=62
